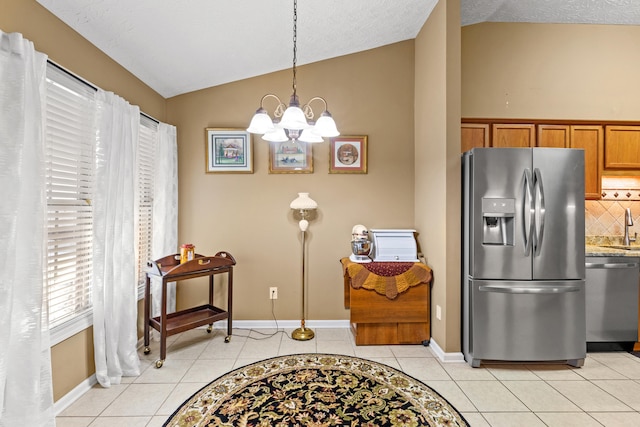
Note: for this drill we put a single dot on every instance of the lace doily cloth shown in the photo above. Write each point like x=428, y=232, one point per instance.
x=386, y=278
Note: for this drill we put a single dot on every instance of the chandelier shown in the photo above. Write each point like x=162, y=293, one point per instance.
x=293, y=123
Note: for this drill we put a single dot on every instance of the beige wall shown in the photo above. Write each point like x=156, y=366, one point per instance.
x=437, y=158
x=72, y=359
x=248, y=215
x=551, y=71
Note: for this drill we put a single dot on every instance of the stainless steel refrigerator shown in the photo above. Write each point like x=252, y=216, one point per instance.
x=523, y=278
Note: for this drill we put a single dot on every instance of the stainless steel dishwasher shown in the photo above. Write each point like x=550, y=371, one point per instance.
x=612, y=298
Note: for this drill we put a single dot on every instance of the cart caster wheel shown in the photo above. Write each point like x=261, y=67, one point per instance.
x=147, y=350
x=227, y=338
x=209, y=329
x=159, y=363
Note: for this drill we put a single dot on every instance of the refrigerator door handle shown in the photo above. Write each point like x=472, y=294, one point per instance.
x=539, y=208
x=528, y=218
x=510, y=289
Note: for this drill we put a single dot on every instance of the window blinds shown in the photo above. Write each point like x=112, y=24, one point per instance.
x=70, y=142
x=148, y=136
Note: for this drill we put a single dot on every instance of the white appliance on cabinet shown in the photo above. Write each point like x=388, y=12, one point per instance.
x=394, y=245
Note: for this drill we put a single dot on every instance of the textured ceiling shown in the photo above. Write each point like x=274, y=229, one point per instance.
x=551, y=11
x=177, y=47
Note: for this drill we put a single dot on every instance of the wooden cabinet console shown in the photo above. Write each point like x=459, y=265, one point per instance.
x=378, y=319
x=170, y=270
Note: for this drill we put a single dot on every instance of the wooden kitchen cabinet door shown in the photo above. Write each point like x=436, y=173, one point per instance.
x=554, y=136
x=473, y=135
x=622, y=147
x=590, y=138
x=513, y=135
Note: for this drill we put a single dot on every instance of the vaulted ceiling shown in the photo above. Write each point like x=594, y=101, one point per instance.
x=177, y=47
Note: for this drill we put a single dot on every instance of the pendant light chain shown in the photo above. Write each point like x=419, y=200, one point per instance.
x=295, y=40
x=293, y=122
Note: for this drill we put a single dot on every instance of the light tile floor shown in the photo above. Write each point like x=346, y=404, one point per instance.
x=604, y=392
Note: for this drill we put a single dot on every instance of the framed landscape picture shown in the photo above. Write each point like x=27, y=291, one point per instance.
x=228, y=151
x=348, y=154
x=290, y=157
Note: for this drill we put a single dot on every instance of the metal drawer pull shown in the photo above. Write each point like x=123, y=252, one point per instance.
x=506, y=289
x=202, y=262
x=612, y=265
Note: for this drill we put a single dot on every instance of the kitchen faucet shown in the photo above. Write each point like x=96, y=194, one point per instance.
x=628, y=221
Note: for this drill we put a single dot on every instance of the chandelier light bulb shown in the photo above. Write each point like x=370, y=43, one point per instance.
x=326, y=126
x=261, y=122
x=309, y=136
x=293, y=118
x=275, y=135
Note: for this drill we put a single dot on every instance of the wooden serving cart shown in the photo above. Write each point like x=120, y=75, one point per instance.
x=170, y=270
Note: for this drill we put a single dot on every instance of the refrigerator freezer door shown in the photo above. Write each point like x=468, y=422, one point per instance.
x=496, y=182
x=526, y=321
x=559, y=246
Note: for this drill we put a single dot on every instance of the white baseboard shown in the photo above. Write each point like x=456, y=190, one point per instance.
x=456, y=357
x=65, y=401
x=283, y=324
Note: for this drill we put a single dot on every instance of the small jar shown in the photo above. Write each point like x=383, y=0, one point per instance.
x=187, y=252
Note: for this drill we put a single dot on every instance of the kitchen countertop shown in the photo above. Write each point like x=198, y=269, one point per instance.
x=597, y=246
x=593, y=250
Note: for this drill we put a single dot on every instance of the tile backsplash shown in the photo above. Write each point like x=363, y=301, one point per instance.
x=606, y=217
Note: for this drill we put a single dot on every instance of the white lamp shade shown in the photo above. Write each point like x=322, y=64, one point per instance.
x=308, y=136
x=325, y=126
x=260, y=123
x=303, y=202
x=275, y=135
x=294, y=118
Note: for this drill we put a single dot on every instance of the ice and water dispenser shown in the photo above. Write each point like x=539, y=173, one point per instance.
x=498, y=221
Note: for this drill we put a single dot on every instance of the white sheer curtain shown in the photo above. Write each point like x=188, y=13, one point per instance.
x=26, y=397
x=165, y=210
x=114, y=263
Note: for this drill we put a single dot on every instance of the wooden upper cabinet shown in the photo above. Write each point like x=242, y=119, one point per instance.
x=622, y=147
x=590, y=138
x=513, y=135
x=474, y=135
x=554, y=136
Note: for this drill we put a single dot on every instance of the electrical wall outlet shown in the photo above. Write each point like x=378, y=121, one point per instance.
x=273, y=292
x=438, y=312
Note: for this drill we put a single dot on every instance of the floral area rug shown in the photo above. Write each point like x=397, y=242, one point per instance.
x=316, y=390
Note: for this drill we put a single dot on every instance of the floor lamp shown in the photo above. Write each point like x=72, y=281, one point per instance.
x=303, y=205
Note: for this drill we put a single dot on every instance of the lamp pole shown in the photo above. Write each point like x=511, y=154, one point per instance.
x=303, y=333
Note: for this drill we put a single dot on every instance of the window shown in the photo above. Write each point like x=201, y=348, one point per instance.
x=69, y=144
x=70, y=140
x=146, y=145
